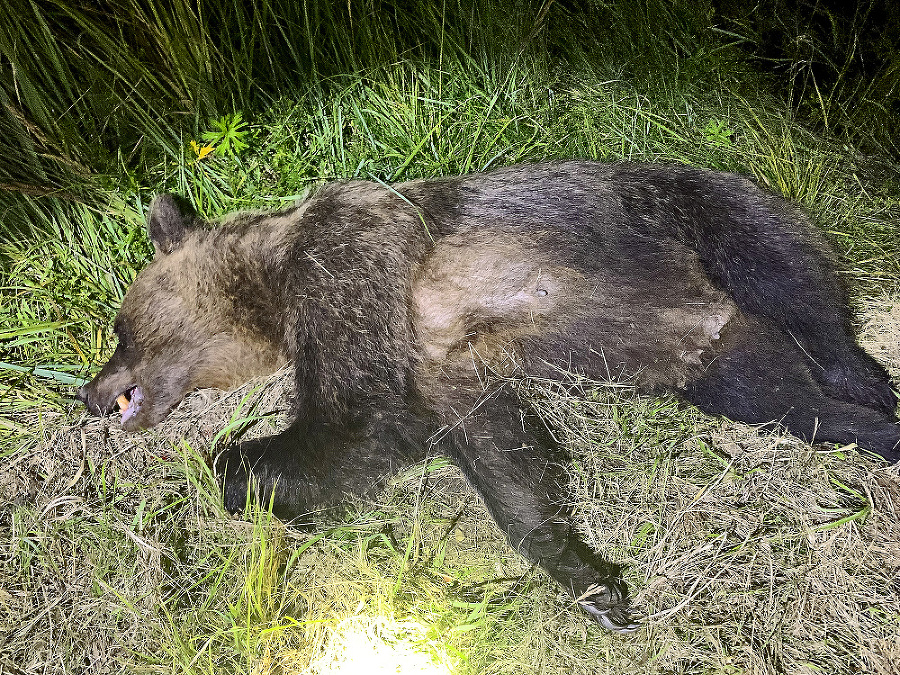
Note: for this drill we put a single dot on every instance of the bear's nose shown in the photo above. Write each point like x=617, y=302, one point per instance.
x=88, y=396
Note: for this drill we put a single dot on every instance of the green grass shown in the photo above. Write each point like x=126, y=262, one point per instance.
x=119, y=555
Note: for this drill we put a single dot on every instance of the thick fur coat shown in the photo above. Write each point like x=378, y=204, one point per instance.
x=402, y=309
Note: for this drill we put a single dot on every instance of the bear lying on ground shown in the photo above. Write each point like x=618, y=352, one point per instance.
x=404, y=308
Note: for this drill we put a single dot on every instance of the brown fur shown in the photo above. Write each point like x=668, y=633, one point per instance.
x=398, y=306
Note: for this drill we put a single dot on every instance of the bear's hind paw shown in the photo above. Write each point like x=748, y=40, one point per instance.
x=608, y=607
x=867, y=385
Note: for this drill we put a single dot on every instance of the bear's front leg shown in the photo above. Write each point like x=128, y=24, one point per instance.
x=510, y=459
x=310, y=466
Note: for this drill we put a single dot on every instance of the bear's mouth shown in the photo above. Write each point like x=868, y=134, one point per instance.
x=129, y=402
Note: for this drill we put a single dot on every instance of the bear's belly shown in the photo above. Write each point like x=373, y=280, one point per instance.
x=500, y=301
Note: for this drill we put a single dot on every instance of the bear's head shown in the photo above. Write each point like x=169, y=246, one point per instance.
x=176, y=329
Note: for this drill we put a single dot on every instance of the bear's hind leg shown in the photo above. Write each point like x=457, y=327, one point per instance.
x=765, y=378
x=506, y=458
x=771, y=263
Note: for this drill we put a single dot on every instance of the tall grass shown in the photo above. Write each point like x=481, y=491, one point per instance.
x=113, y=88
x=836, y=63
x=93, y=93
x=103, y=86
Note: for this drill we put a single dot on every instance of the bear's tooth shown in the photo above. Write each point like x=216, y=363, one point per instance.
x=123, y=403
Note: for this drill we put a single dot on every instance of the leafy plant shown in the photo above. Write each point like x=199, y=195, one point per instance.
x=719, y=133
x=229, y=135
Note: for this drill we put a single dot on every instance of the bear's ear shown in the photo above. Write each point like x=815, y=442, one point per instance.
x=169, y=220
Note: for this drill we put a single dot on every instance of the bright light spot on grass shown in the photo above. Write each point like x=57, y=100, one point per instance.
x=378, y=646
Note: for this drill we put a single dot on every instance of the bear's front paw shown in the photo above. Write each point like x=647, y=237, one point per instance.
x=607, y=604
x=265, y=471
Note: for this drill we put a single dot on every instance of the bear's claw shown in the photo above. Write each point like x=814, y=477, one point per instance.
x=607, y=605
x=617, y=619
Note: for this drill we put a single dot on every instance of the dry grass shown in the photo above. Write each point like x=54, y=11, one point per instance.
x=747, y=552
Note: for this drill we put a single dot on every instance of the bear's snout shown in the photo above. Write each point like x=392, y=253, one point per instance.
x=99, y=397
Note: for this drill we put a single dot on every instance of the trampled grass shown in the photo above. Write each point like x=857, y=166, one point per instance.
x=747, y=552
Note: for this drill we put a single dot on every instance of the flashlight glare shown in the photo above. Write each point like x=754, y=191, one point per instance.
x=380, y=646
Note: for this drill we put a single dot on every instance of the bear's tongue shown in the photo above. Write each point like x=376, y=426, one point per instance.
x=129, y=407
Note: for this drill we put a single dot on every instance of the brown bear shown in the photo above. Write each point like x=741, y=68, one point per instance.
x=405, y=308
